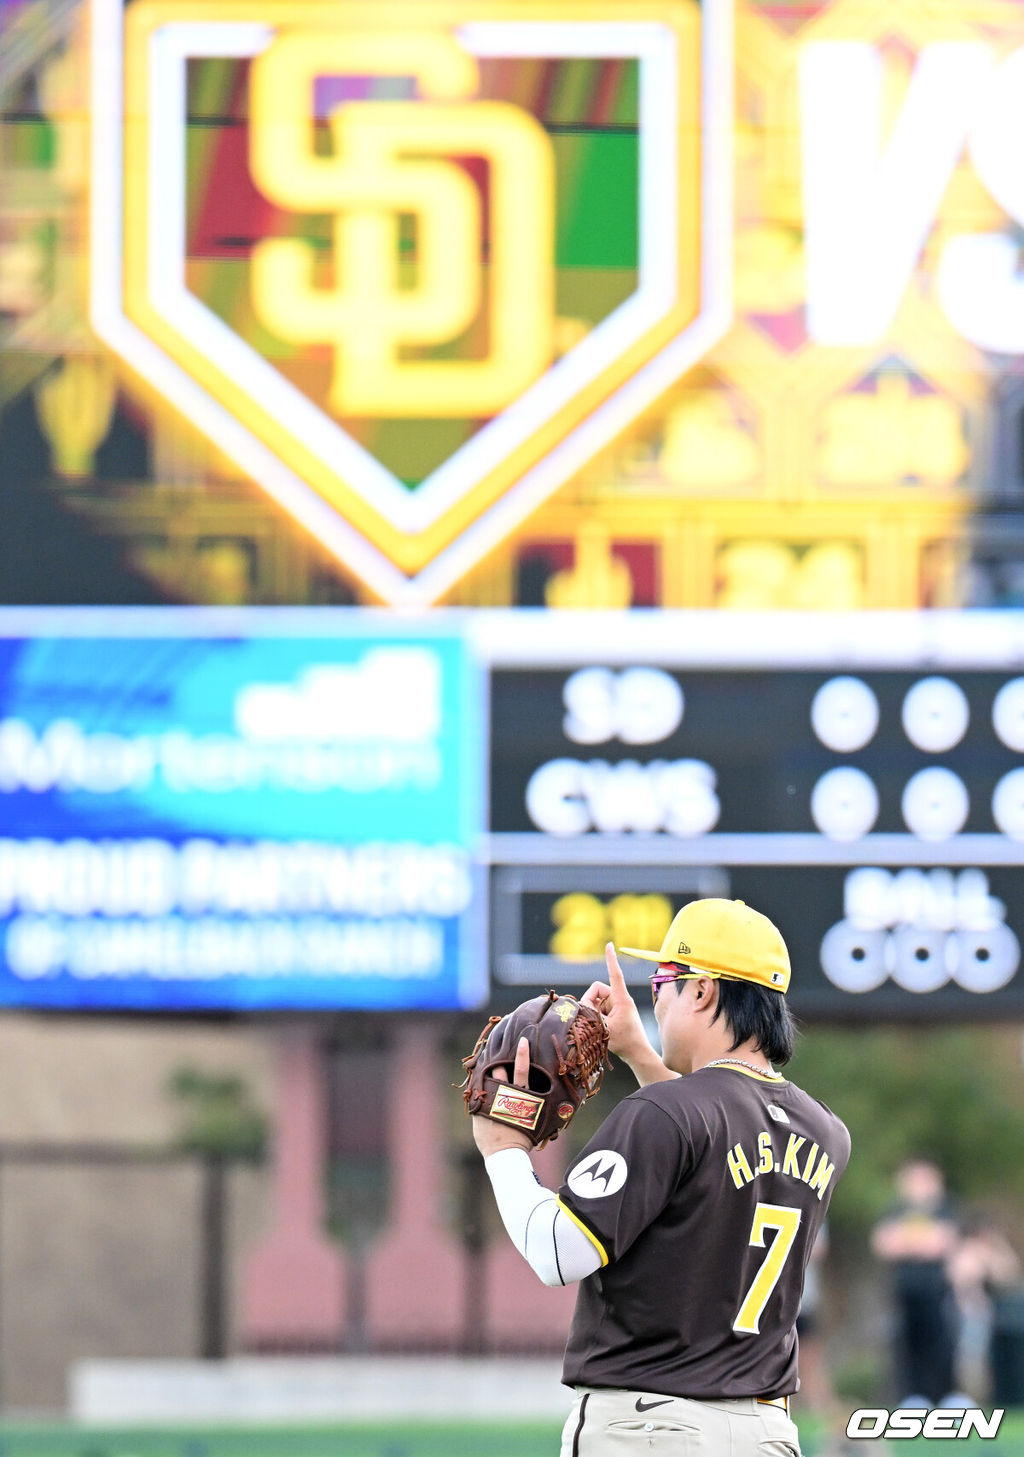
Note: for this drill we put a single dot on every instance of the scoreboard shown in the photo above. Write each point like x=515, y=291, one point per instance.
x=355, y=810
x=859, y=781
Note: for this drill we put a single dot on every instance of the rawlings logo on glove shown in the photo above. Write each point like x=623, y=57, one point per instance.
x=568, y=1053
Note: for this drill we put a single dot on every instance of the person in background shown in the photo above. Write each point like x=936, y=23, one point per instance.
x=983, y=1265
x=917, y=1240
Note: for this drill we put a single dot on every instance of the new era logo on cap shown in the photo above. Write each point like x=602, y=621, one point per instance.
x=684, y=950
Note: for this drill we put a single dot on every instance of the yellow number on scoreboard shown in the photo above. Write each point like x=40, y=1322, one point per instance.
x=586, y=923
x=581, y=923
x=639, y=920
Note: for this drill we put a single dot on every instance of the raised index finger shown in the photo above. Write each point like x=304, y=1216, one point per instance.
x=615, y=978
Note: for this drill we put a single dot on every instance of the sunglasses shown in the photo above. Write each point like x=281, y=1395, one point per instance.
x=662, y=978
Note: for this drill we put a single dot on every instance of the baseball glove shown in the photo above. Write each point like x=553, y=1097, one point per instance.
x=568, y=1050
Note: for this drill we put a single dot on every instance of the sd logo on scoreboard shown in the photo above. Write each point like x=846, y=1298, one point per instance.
x=410, y=272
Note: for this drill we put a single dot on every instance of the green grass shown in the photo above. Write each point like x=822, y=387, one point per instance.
x=391, y=1439
x=376, y=1439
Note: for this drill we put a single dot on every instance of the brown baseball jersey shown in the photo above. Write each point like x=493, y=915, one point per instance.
x=703, y=1196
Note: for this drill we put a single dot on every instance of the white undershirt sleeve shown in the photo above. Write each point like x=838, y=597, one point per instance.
x=556, y=1249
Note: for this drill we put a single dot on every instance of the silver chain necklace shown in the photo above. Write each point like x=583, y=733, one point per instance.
x=738, y=1062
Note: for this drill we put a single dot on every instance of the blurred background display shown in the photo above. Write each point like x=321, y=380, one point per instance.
x=856, y=810
x=574, y=342
x=239, y=822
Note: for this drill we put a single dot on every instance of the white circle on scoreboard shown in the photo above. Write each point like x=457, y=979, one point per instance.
x=844, y=804
x=935, y=714
x=987, y=959
x=1008, y=714
x=920, y=958
x=1008, y=804
x=844, y=714
x=853, y=957
x=935, y=804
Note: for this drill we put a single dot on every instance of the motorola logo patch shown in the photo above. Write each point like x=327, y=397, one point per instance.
x=598, y=1175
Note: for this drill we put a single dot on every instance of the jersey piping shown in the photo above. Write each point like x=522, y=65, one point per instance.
x=591, y=1236
x=776, y=1082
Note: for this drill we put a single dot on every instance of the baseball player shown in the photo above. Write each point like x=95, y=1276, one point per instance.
x=689, y=1218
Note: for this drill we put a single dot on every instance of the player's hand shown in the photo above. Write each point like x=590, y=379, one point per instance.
x=626, y=1032
x=626, y=1035
x=489, y=1136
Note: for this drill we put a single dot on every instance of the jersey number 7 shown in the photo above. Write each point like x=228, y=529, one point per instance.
x=785, y=1221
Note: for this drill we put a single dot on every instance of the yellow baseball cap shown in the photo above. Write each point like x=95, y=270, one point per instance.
x=724, y=938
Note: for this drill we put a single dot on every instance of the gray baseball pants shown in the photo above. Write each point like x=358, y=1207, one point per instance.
x=605, y=1422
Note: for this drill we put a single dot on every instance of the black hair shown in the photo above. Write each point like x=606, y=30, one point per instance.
x=756, y=1013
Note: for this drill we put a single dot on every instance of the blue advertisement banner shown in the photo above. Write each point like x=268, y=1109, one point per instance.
x=240, y=821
